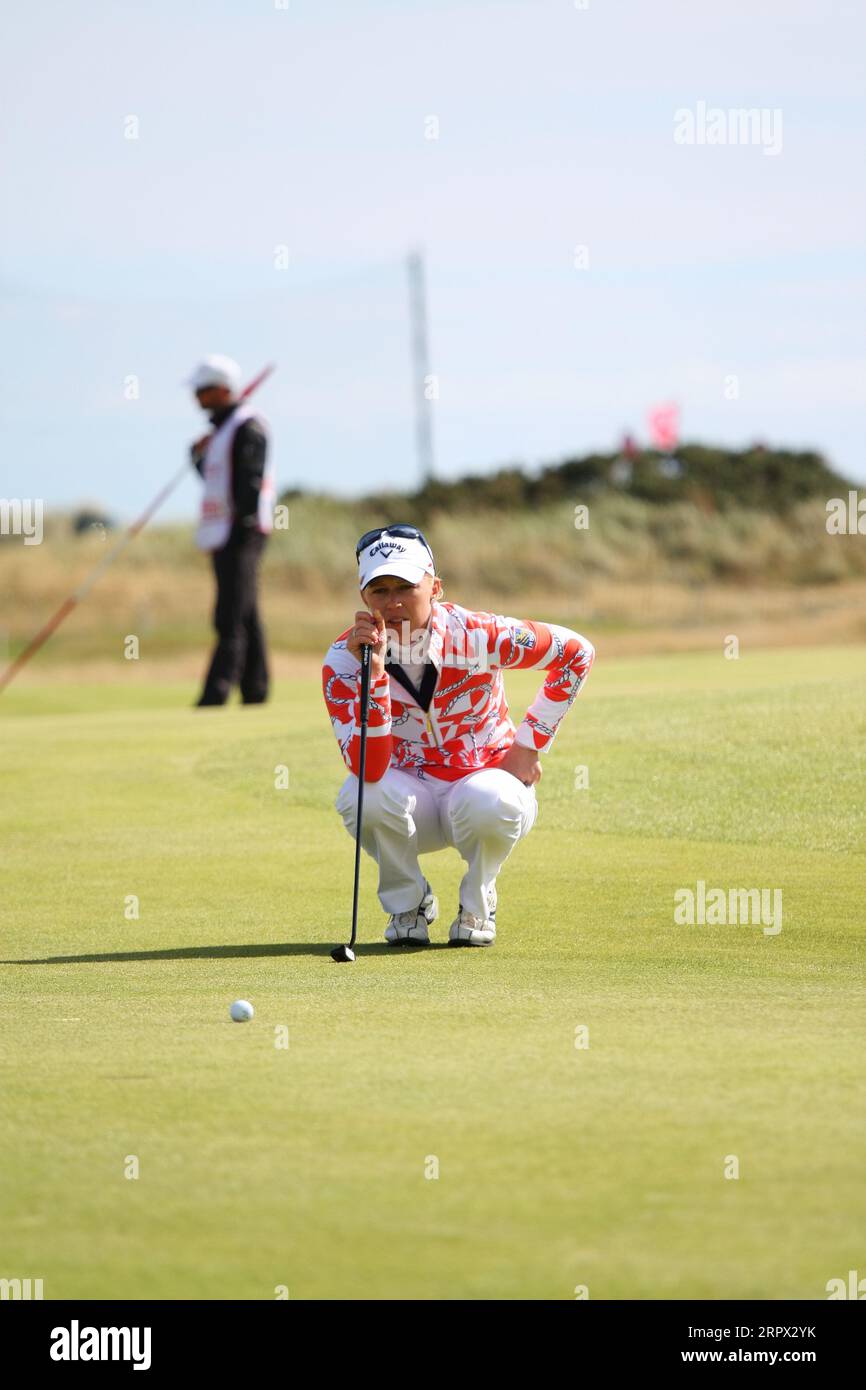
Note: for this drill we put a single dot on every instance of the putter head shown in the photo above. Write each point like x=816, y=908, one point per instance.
x=342, y=953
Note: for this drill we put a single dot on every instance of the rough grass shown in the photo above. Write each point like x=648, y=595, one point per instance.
x=666, y=576
x=506, y=552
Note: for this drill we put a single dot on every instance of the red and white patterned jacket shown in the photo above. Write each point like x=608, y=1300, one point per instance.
x=468, y=726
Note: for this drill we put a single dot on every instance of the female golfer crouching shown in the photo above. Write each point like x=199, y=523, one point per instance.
x=444, y=764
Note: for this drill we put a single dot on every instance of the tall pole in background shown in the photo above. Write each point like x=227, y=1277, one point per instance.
x=424, y=386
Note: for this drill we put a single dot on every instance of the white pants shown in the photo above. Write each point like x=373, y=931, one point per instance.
x=482, y=816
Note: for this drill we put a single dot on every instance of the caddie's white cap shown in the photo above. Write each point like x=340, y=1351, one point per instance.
x=216, y=370
x=404, y=556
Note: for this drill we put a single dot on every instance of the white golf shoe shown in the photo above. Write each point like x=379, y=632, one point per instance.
x=469, y=930
x=410, y=928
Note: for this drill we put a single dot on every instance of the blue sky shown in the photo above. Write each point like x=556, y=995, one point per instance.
x=304, y=127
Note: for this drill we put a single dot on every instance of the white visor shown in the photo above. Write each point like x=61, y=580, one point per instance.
x=403, y=556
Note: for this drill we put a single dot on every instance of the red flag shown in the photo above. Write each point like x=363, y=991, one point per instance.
x=664, y=424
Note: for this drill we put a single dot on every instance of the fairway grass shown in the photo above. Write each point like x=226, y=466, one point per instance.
x=304, y=1165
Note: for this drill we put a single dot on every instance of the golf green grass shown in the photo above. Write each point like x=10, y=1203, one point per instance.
x=304, y=1166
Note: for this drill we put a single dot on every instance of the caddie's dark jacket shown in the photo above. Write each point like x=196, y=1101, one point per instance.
x=249, y=448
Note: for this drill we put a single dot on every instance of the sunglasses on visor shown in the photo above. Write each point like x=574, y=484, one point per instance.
x=406, y=532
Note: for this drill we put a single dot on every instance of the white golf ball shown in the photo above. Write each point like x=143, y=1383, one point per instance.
x=241, y=1011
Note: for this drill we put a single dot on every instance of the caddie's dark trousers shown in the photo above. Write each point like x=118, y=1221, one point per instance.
x=240, y=657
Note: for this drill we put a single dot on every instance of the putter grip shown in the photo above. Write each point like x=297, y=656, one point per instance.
x=365, y=681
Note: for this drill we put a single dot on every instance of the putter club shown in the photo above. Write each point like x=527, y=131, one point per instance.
x=345, y=953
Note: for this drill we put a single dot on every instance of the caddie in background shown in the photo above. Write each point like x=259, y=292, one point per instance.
x=237, y=515
x=444, y=763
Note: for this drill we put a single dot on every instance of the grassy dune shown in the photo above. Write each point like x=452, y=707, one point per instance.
x=645, y=576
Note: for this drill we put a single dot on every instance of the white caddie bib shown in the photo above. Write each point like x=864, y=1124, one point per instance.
x=217, y=506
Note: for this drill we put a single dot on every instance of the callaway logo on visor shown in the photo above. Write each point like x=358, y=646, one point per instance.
x=385, y=548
